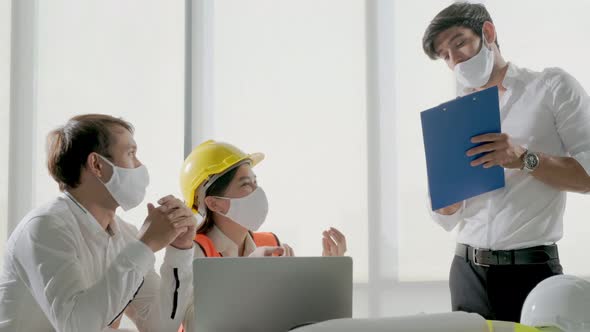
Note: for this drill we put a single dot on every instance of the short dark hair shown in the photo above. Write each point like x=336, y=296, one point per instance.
x=462, y=14
x=68, y=146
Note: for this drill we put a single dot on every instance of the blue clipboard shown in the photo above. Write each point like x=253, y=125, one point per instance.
x=447, y=130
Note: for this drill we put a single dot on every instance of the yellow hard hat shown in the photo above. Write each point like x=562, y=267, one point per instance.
x=205, y=163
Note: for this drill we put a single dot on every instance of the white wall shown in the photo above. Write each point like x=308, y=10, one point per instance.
x=5, y=38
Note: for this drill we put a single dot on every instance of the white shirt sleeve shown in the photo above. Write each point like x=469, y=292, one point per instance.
x=189, y=313
x=161, y=303
x=447, y=222
x=571, y=107
x=46, y=260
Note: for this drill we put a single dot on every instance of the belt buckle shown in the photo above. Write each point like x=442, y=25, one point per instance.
x=474, y=254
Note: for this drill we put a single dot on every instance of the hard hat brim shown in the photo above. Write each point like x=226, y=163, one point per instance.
x=256, y=158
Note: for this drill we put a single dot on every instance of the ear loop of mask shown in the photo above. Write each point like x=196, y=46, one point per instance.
x=484, y=40
x=106, y=160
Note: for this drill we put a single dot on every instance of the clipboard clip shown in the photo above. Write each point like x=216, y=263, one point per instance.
x=444, y=108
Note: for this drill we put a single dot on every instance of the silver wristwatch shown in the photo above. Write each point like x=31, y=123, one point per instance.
x=530, y=161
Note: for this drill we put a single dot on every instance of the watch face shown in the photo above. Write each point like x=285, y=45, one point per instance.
x=531, y=161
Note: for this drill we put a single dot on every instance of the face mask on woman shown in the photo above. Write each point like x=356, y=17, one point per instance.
x=249, y=211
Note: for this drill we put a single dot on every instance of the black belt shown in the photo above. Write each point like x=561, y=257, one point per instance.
x=486, y=257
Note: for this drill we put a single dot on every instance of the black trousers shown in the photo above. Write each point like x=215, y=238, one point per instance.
x=496, y=292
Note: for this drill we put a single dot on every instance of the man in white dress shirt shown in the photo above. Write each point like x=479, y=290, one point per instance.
x=506, y=238
x=73, y=265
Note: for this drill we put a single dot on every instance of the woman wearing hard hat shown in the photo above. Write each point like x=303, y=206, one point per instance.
x=217, y=182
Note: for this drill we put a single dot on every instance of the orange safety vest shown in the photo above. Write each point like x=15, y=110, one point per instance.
x=261, y=239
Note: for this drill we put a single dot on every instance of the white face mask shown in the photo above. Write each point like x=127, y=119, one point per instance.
x=127, y=185
x=249, y=211
x=476, y=72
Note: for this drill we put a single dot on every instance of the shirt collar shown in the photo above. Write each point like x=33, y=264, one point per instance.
x=86, y=218
x=512, y=76
x=228, y=248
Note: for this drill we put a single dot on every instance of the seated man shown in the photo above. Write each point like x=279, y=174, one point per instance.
x=73, y=265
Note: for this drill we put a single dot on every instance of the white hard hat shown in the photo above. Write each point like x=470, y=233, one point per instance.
x=561, y=301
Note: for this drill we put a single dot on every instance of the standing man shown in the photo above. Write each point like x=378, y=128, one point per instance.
x=506, y=238
x=73, y=265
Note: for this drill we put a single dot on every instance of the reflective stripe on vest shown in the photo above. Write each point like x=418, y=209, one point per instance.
x=262, y=239
x=499, y=326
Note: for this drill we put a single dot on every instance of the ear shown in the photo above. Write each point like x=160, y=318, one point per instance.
x=213, y=204
x=94, y=165
x=489, y=32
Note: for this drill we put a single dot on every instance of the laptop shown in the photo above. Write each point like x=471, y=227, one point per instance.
x=273, y=294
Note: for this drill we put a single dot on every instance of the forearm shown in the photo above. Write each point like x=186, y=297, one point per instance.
x=156, y=307
x=447, y=217
x=563, y=173
x=177, y=278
